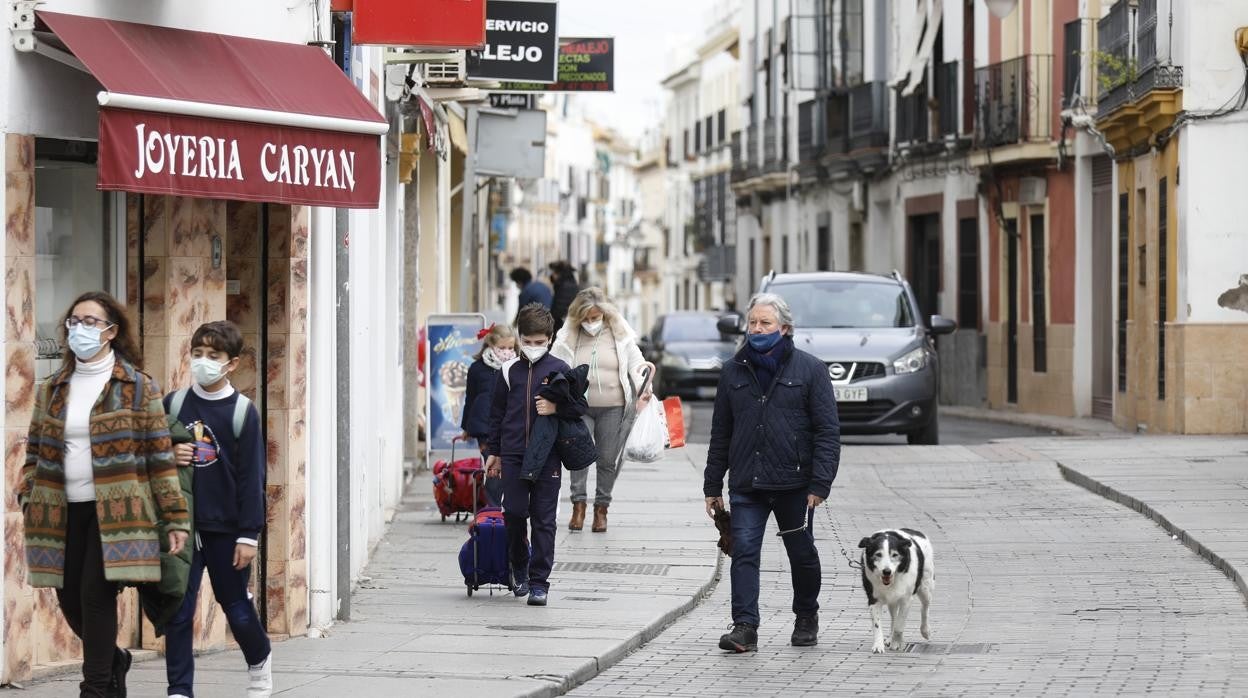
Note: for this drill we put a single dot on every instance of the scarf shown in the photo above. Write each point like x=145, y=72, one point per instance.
x=767, y=366
x=491, y=359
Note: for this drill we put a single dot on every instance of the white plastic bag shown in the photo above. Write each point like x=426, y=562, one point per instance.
x=648, y=438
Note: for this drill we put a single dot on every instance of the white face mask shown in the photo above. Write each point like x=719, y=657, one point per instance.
x=205, y=371
x=592, y=328
x=533, y=354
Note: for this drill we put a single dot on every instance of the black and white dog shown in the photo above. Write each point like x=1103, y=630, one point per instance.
x=897, y=565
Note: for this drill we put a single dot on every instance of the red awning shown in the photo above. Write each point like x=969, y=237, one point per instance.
x=191, y=113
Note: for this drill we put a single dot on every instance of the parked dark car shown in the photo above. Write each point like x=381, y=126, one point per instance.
x=880, y=350
x=688, y=349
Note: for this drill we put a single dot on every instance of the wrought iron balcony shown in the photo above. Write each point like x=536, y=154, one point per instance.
x=775, y=140
x=1132, y=75
x=811, y=133
x=739, y=154
x=868, y=117
x=1014, y=101
x=718, y=263
x=947, y=98
x=913, y=116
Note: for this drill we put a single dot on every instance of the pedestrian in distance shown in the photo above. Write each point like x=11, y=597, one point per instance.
x=527, y=503
x=99, y=458
x=531, y=291
x=228, y=454
x=596, y=335
x=563, y=281
x=775, y=434
x=498, y=347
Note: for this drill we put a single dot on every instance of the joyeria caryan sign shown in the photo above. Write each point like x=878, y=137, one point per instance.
x=221, y=159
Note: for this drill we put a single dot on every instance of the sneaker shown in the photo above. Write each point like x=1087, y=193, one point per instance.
x=261, y=679
x=122, y=659
x=742, y=638
x=537, y=597
x=521, y=590
x=806, y=631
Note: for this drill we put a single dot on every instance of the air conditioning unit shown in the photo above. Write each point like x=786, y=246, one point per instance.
x=1032, y=191
x=443, y=73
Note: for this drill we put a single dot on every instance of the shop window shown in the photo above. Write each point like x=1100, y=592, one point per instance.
x=75, y=246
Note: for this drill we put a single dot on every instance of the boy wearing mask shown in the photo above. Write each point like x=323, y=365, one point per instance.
x=228, y=454
x=526, y=503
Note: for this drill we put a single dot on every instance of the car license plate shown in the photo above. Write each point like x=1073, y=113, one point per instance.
x=846, y=394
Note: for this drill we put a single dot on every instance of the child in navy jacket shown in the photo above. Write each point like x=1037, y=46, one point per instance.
x=228, y=454
x=498, y=348
x=515, y=408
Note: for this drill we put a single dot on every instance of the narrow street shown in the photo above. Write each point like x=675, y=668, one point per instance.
x=1042, y=589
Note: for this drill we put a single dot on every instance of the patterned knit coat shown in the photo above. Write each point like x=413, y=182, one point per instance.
x=137, y=494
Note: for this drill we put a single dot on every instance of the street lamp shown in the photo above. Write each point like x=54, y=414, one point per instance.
x=1001, y=8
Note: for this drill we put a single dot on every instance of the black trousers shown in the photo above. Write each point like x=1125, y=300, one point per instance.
x=88, y=600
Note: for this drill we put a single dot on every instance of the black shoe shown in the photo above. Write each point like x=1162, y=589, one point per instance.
x=122, y=659
x=806, y=631
x=537, y=597
x=743, y=638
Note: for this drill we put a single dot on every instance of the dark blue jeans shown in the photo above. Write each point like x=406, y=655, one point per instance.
x=531, y=504
x=750, y=511
x=214, y=551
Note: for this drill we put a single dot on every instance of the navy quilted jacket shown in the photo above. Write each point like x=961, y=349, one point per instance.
x=785, y=436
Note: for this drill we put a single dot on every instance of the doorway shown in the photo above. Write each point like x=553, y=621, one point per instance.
x=1102, y=288
x=1011, y=324
x=924, y=267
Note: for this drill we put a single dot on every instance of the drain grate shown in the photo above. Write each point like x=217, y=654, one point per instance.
x=524, y=628
x=585, y=598
x=949, y=648
x=612, y=568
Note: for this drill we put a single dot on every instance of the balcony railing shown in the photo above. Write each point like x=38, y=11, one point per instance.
x=947, y=97
x=868, y=118
x=739, y=155
x=1138, y=73
x=718, y=263
x=775, y=132
x=913, y=116
x=811, y=132
x=1014, y=102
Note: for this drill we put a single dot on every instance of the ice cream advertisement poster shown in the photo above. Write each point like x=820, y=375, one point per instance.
x=452, y=344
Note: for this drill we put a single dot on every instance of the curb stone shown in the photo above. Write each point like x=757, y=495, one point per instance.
x=591, y=669
x=1114, y=495
x=1062, y=426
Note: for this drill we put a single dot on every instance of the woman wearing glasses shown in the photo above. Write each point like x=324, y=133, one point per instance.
x=99, y=489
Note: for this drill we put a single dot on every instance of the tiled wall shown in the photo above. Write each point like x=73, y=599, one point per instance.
x=286, y=397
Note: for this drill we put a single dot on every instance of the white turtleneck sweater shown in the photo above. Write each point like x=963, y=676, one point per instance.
x=85, y=386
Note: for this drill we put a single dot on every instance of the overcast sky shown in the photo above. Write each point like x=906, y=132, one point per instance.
x=647, y=33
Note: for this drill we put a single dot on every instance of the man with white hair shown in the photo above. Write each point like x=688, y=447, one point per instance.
x=775, y=433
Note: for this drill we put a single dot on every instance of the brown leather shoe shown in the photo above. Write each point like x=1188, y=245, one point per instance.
x=600, y=518
x=578, y=516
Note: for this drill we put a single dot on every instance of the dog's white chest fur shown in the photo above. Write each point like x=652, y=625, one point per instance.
x=897, y=566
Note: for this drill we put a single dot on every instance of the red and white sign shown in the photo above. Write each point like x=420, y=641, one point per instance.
x=218, y=159
x=437, y=24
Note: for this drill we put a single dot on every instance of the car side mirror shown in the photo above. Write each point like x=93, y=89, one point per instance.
x=943, y=325
x=729, y=324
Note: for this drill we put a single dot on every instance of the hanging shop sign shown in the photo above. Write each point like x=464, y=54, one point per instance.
x=433, y=24
x=452, y=340
x=585, y=65
x=521, y=42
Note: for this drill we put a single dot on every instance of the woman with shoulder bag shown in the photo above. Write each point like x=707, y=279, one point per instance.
x=596, y=335
x=99, y=489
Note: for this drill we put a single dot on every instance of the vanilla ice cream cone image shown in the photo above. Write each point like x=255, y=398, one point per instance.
x=454, y=377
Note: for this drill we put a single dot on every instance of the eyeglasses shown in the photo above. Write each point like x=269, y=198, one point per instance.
x=89, y=320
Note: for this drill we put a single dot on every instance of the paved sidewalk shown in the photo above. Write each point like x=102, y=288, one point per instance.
x=1194, y=487
x=1043, y=589
x=1067, y=426
x=415, y=632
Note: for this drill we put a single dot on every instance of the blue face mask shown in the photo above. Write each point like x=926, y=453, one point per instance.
x=764, y=342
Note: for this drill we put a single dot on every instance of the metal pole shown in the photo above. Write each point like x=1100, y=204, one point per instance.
x=468, y=231
x=342, y=278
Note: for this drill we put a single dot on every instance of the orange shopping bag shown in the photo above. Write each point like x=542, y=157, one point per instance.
x=675, y=422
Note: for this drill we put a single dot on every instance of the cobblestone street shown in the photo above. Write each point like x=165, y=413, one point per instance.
x=1043, y=588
